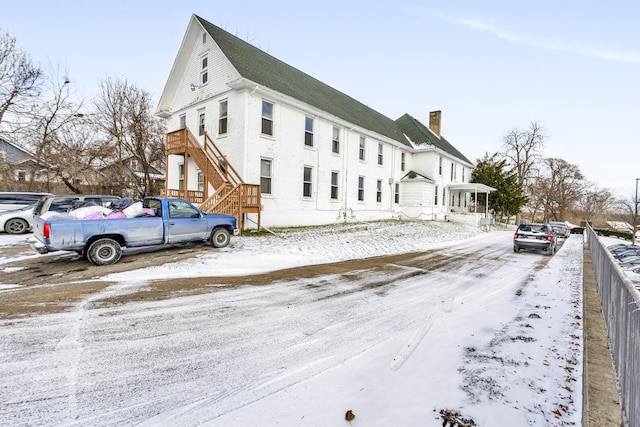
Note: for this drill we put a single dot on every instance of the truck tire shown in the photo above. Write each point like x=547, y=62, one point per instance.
x=16, y=226
x=104, y=252
x=220, y=237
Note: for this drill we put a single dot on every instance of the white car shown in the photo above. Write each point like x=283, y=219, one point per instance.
x=17, y=221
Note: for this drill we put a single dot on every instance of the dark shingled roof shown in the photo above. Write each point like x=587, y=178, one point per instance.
x=420, y=134
x=264, y=69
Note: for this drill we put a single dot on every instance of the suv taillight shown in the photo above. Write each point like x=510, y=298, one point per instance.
x=515, y=236
x=46, y=231
x=550, y=237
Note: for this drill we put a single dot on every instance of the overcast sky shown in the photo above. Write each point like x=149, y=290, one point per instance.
x=490, y=66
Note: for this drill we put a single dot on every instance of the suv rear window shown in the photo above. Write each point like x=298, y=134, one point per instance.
x=537, y=228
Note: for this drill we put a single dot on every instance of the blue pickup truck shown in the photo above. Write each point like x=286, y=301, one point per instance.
x=171, y=221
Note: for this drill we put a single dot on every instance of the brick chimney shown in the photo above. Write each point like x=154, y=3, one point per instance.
x=434, y=121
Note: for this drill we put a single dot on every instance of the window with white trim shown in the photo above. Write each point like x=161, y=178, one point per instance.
x=335, y=143
x=183, y=121
x=361, y=149
x=380, y=154
x=361, y=188
x=307, y=176
x=201, y=123
x=435, y=195
x=181, y=176
x=379, y=191
x=335, y=185
x=396, y=196
x=402, y=161
x=267, y=118
x=308, y=131
x=204, y=69
x=265, y=176
x=222, y=117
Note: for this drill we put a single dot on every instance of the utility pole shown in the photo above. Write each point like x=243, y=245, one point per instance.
x=635, y=215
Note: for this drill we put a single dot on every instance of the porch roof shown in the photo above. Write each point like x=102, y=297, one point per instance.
x=472, y=187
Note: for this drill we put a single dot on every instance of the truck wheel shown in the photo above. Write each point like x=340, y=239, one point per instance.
x=516, y=249
x=220, y=237
x=104, y=252
x=16, y=226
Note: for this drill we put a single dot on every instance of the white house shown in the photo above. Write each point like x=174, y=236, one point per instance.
x=302, y=152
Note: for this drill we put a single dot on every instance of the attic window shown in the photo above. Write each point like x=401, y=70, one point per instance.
x=204, y=37
x=204, y=70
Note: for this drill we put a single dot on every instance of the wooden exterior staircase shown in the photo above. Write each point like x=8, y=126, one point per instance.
x=231, y=196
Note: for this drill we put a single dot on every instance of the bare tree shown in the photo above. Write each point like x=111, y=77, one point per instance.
x=64, y=147
x=125, y=113
x=596, y=203
x=20, y=79
x=522, y=150
x=630, y=208
x=558, y=188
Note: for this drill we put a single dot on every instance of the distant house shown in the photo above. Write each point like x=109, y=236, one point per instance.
x=257, y=138
x=20, y=171
x=128, y=178
x=17, y=168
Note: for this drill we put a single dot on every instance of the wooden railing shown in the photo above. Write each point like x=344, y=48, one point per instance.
x=232, y=196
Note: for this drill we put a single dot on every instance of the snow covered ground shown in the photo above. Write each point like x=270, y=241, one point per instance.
x=496, y=337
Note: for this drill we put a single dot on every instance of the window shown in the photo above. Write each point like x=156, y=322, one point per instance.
x=453, y=171
x=181, y=176
x=379, y=191
x=462, y=174
x=22, y=176
x=201, y=124
x=267, y=118
x=362, y=147
x=200, y=181
x=380, y=148
x=396, y=197
x=440, y=166
x=222, y=121
x=308, y=131
x=204, y=70
x=334, y=186
x=435, y=196
x=265, y=176
x=179, y=209
x=361, y=188
x=183, y=121
x=335, y=144
x=402, y=163
x=306, y=181
x=204, y=37
x=444, y=196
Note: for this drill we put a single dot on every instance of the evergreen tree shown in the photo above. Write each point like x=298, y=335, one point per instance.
x=509, y=196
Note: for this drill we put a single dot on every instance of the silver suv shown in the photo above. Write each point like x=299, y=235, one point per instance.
x=535, y=236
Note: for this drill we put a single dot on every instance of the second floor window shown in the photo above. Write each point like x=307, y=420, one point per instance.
x=361, y=152
x=267, y=118
x=440, y=166
x=306, y=181
x=402, y=163
x=335, y=143
x=222, y=121
x=380, y=148
x=453, y=171
x=334, y=186
x=183, y=121
x=201, y=124
x=265, y=176
x=308, y=131
x=361, y=188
